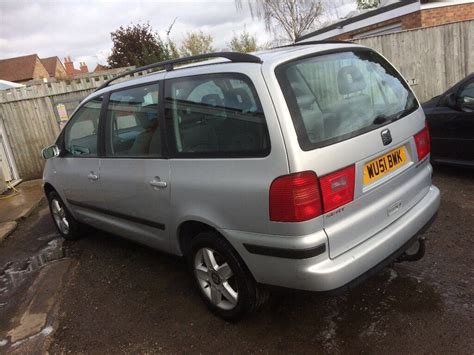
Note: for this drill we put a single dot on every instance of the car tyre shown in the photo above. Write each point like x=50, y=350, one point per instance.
x=66, y=224
x=222, y=279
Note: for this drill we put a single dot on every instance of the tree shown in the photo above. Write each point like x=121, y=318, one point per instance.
x=245, y=42
x=367, y=4
x=288, y=17
x=136, y=44
x=172, y=49
x=335, y=9
x=196, y=43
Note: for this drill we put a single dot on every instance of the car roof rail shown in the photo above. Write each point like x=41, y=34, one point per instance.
x=168, y=65
x=327, y=41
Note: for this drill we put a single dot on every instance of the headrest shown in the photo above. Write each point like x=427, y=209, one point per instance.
x=212, y=100
x=135, y=100
x=238, y=99
x=304, y=99
x=146, y=119
x=350, y=80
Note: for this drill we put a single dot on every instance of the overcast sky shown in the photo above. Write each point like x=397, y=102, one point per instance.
x=81, y=28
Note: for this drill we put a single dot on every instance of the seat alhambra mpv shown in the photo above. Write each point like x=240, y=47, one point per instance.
x=305, y=166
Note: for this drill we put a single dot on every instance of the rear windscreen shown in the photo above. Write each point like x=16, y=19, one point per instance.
x=336, y=96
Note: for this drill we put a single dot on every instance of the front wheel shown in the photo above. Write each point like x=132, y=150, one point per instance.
x=67, y=226
x=221, y=277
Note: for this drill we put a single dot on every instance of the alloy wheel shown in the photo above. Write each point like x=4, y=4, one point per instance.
x=216, y=279
x=59, y=216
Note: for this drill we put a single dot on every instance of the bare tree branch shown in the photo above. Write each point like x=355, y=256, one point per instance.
x=289, y=17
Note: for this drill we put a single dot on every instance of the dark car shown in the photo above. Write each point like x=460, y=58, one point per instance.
x=450, y=119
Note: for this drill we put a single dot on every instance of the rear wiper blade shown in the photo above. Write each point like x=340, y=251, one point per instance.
x=381, y=119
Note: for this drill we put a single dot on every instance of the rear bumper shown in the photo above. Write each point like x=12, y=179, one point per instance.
x=319, y=272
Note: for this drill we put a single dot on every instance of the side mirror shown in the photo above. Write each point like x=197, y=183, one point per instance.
x=467, y=103
x=450, y=101
x=50, y=152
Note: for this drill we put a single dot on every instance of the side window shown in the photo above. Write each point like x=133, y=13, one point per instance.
x=81, y=134
x=133, y=128
x=215, y=115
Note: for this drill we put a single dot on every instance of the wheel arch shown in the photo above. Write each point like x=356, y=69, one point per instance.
x=187, y=230
x=48, y=188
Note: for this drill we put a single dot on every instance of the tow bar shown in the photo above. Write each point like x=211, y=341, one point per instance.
x=415, y=252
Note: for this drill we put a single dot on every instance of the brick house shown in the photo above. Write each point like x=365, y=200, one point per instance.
x=23, y=69
x=54, y=67
x=31, y=67
x=394, y=16
x=71, y=71
x=100, y=68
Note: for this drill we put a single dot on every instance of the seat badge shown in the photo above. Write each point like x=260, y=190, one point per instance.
x=386, y=137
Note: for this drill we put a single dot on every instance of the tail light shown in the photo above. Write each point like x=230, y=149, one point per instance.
x=295, y=197
x=299, y=197
x=338, y=188
x=422, y=141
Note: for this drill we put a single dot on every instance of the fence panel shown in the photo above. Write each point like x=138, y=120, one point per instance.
x=31, y=119
x=432, y=59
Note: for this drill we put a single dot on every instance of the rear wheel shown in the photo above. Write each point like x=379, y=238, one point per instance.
x=67, y=226
x=223, y=281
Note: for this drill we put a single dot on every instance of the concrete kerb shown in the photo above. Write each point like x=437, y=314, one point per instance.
x=7, y=228
x=27, y=212
x=20, y=206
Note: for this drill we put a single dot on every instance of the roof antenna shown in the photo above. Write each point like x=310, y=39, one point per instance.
x=171, y=27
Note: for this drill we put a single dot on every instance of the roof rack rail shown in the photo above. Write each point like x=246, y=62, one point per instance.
x=168, y=65
x=329, y=41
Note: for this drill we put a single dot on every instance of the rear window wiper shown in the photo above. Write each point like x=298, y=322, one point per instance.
x=381, y=119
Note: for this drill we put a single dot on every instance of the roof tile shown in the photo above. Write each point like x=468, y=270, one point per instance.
x=18, y=68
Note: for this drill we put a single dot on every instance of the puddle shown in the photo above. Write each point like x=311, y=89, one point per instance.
x=44, y=332
x=393, y=275
x=329, y=335
x=48, y=236
x=14, y=273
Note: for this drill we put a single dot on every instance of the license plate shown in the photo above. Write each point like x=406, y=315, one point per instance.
x=381, y=166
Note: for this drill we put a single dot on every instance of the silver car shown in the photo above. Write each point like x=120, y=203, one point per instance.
x=304, y=166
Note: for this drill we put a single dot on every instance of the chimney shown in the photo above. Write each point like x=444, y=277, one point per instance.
x=69, y=65
x=84, y=68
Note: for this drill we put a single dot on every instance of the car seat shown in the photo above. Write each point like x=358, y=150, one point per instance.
x=356, y=108
x=311, y=114
x=147, y=142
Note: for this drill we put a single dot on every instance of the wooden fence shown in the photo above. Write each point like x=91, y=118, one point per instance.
x=432, y=59
x=32, y=121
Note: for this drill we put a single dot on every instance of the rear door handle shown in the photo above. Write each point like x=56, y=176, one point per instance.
x=158, y=184
x=92, y=176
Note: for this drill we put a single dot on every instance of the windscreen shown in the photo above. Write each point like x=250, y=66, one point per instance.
x=336, y=96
